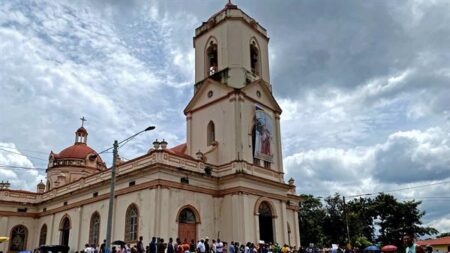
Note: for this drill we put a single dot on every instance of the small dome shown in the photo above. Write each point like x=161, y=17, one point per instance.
x=82, y=130
x=41, y=185
x=77, y=151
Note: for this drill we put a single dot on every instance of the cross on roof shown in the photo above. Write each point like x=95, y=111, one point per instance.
x=83, y=119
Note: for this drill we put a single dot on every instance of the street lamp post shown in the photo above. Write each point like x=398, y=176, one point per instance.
x=115, y=148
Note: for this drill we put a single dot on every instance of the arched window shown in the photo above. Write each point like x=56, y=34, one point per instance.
x=43, y=235
x=131, y=223
x=19, y=235
x=211, y=138
x=264, y=209
x=64, y=227
x=255, y=58
x=211, y=58
x=187, y=216
x=94, y=229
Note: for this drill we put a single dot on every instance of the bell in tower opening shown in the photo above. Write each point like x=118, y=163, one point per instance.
x=211, y=53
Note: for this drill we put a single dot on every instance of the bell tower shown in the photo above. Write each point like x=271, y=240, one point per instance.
x=231, y=46
x=233, y=116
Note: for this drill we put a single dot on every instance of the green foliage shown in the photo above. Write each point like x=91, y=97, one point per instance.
x=443, y=234
x=323, y=223
x=310, y=217
x=362, y=242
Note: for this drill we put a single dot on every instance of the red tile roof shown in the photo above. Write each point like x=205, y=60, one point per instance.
x=77, y=151
x=437, y=241
x=180, y=150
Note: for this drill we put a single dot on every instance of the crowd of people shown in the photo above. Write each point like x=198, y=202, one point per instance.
x=204, y=245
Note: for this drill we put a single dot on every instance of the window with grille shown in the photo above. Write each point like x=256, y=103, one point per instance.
x=18, y=238
x=131, y=223
x=43, y=235
x=186, y=216
x=94, y=229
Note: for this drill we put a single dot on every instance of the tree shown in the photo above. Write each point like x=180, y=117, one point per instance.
x=310, y=217
x=334, y=221
x=361, y=216
x=396, y=219
x=443, y=235
x=324, y=223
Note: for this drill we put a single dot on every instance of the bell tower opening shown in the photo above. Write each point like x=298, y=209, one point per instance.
x=212, y=58
x=81, y=134
x=255, y=62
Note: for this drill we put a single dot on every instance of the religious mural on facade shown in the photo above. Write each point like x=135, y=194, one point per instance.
x=263, y=135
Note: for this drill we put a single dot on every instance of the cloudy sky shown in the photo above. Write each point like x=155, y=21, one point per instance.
x=364, y=85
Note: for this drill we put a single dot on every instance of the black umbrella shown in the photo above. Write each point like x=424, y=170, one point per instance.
x=118, y=242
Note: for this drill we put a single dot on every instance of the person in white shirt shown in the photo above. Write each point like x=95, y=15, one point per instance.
x=214, y=246
x=219, y=246
x=88, y=249
x=201, y=246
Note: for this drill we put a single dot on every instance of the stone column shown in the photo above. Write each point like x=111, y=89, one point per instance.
x=297, y=229
x=80, y=244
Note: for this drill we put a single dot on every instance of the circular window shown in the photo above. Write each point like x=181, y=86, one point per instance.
x=258, y=93
x=210, y=93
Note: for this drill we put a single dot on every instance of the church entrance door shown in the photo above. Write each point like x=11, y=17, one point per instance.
x=187, y=227
x=265, y=223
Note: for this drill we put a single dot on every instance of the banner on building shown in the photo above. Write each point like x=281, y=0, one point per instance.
x=263, y=135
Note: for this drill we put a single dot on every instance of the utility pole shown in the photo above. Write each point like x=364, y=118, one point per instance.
x=346, y=221
x=111, y=197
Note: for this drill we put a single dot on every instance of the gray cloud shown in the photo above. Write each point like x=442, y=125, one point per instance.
x=364, y=85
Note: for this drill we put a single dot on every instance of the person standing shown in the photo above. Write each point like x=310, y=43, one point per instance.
x=219, y=246
x=207, y=247
x=152, y=245
x=102, y=247
x=179, y=246
x=87, y=248
x=201, y=246
x=214, y=246
x=170, y=246
x=410, y=246
x=186, y=246
x=140, y=245
x=161, y=246
x=231, y=249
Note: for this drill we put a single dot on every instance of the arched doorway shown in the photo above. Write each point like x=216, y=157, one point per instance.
x=65, y=231
x=265, y=222
x=187, y=225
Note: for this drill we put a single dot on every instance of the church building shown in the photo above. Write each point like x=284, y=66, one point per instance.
x=226, y=181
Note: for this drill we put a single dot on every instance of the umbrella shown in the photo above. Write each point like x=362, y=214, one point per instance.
x=4, y=239
x=389, y=248
x=118, y=242
x=372, y=248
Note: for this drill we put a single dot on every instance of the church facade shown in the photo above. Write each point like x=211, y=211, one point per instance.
x=226, y=181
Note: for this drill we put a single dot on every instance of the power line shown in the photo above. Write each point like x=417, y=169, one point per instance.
x=17, y=153
x=28, y=150
x=400, y=189
x=20, y=167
